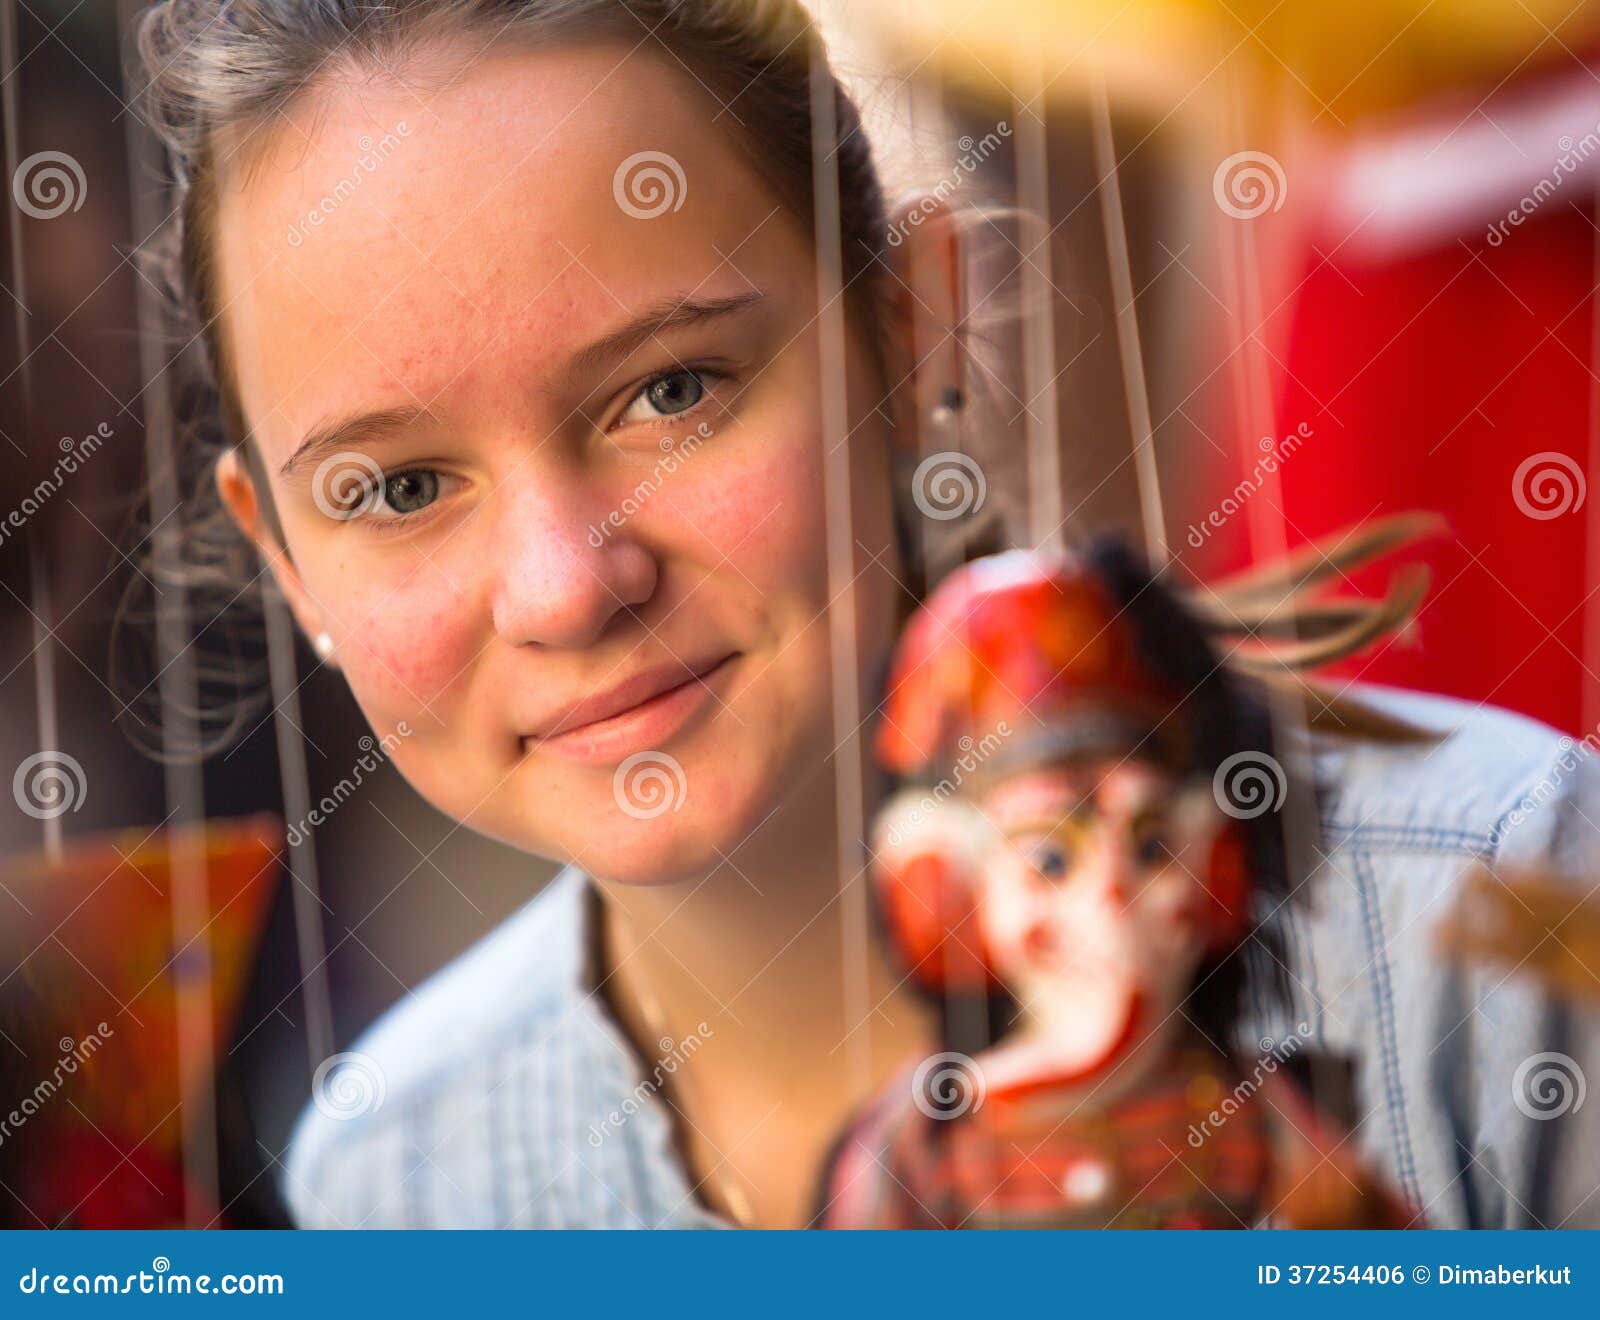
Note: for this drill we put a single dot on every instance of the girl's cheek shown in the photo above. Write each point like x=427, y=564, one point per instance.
x=758, y=502
x=403, y=637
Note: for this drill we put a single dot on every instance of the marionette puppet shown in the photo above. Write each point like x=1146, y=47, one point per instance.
x=1071, y=857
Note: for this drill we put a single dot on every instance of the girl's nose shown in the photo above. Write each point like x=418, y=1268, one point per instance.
x=564, y=571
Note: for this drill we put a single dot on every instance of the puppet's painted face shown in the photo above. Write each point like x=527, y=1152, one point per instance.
x=1095, y=911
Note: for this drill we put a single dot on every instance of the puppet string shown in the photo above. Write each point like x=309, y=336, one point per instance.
x=1130, y=354
x=849, y=786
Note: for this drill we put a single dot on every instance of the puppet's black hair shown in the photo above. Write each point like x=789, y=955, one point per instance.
x=1226, y=715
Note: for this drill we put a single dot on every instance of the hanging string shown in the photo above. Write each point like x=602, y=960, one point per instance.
x=305, y=889
x=849, y=785
x=40, y=607
x=1130, y=353
x=1268, y=534
x=179, y=686
x=1039, y=370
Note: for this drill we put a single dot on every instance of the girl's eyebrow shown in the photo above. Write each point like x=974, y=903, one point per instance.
x=331, y=437
x=669, y=313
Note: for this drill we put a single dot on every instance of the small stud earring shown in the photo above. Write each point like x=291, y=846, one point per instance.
x=949, y=406
x=322, y=644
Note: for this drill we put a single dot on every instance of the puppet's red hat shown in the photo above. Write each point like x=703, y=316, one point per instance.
x=1020, y=647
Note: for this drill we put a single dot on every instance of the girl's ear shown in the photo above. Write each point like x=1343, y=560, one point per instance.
x=236, y=486
x=930, y=287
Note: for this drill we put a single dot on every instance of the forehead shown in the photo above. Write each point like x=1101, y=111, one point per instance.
x=468, y=229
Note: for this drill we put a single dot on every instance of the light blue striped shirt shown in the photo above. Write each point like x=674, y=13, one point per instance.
x=503, y=1095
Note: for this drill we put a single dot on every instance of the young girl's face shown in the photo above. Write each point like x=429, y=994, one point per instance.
x=545, y=439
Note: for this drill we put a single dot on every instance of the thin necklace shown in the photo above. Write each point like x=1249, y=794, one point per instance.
x=731, y=1193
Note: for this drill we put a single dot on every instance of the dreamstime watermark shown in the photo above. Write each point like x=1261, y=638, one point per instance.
x=674, y=454
x=1249, y=184
x=974, y=151
x=1572, y=755
x=974, y=752
x=73, y=1054
x=349, y=1085
x=673, y=1055
x=48, y=184
x=1273, y=453
x=1249, y=784
x=1273, y=1055
x=373, y=154
x=49, y=784
x=649, y=784
x=373, y=754
x=948, y=485
x=948, y=1085
x=159, y=1280
x=73, y=453
x=1572, y=155
x=649, y=184
x=1547, y=485
x=347, y=485
x=1548, y=1085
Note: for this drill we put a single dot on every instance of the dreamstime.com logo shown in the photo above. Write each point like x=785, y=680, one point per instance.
x=73, y=1053
x=1249, y=184
x=373, y=153
x=1548, y=485
x=158, y=1280
x=974, y=752
x=948, y=1085
x=1573, y=154
x=49, y=784
x=1546, y=1086
x=1573, y=754
x=1249, y=784
x=673, y=1055
x=1273, y=454
x=349, y=1085
x=974, y=151
x=649, y=184
x=1273, y=1053
x=674, y=453
x=649, y=784
x=48, y=184
x=73, y=452
x=373, y=754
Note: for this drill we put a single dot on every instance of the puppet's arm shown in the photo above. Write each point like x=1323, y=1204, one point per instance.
x=1530, y=924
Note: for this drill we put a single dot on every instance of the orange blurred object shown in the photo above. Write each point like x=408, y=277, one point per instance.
x=137, y=1010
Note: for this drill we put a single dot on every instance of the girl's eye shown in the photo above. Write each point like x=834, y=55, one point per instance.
x=666, y=396
x=410, y=492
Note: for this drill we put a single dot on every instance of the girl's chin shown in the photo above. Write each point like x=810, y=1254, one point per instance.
x=665, y=850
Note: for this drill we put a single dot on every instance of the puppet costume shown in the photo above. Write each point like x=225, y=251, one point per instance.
x=1158, y=1158
x=1076, y=860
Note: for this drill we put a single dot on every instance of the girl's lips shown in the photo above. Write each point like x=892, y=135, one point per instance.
x=643, y=727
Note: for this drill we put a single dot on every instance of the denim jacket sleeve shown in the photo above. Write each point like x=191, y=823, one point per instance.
x=1470, y=1082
